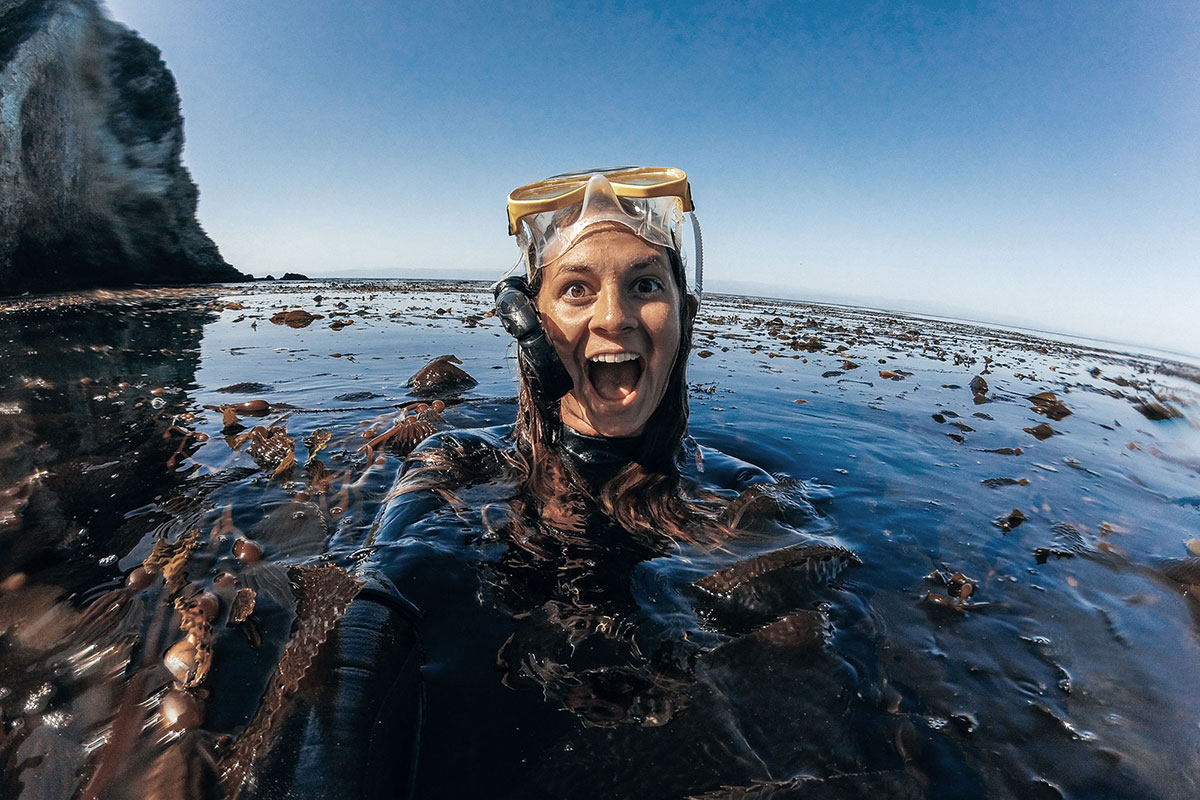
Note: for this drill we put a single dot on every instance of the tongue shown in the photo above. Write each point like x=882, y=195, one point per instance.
x=615, y=381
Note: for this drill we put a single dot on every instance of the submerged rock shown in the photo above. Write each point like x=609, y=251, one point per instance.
x=95, y=193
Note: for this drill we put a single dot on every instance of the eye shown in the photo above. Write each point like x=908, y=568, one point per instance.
x=647, y=285
x=575, y=290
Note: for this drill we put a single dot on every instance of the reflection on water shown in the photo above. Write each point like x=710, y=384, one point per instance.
x=981, y=578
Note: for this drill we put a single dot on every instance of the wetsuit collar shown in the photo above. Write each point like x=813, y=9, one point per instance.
x=599, y=458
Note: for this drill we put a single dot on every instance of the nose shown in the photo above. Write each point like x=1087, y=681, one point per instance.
x=613, y=311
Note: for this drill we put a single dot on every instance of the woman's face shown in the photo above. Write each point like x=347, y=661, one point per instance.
x=611, y=309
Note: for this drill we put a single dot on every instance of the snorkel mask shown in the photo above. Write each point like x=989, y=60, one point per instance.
x=655, y=203
x=549, y=216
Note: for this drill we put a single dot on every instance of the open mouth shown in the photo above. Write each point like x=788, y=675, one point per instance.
x=614, y=376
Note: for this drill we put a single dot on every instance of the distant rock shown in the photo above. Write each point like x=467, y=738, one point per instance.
x=92, y=190
x=294, y=276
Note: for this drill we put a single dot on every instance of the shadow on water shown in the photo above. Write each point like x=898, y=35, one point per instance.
x=91, y=394
x=983, y=581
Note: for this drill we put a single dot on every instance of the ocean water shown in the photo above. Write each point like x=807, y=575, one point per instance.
x=990, y=556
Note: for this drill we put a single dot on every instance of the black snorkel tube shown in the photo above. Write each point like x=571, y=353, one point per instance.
x=514, y=306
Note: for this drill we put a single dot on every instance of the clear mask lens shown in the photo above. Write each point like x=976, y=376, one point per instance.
x=659, y=221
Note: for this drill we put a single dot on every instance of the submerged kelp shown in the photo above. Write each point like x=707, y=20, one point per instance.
x=980, y=577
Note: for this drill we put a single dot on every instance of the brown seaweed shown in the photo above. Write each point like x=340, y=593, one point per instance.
x=441, y=378
x=894, y=785
x=1156, y=411
x=170, y=559
x=799, y=629
x=780, y=501
x=1183, y=571
x=270, y=447
x=1048, y=404
x=1011, y=521
x=413, y=426
x=1040, y=432
x=242, y=606
x=821, y=559
x=322, y=596
x=296, y=318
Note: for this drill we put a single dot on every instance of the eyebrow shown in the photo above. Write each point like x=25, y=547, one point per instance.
x=644, y=264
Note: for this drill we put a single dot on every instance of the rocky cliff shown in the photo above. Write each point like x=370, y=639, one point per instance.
x=92, y=189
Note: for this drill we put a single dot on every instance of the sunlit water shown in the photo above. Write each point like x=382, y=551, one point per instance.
x=1065, y=668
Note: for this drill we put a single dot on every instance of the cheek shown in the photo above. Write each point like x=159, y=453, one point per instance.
x=665, y=330
x=561, y=330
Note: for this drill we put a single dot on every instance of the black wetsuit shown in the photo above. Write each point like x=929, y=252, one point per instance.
x=485, y=659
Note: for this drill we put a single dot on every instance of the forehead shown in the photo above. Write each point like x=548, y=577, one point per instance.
x=614, y=249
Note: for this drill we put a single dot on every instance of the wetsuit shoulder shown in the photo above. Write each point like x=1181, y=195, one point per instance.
x=445, y=461
x=464, y=446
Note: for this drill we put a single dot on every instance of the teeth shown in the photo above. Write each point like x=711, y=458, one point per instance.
x=613, y=358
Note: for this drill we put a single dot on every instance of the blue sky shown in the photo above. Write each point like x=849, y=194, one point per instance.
x=1017, y=162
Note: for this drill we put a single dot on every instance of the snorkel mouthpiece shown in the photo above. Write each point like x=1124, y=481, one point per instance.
x=515, y=308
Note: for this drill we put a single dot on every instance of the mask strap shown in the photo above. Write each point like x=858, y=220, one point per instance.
x=699, y=256
x=513, y=268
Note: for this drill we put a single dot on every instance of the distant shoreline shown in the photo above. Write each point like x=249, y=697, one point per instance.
x=782, y=294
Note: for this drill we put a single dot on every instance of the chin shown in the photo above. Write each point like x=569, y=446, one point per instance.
x=604, y=423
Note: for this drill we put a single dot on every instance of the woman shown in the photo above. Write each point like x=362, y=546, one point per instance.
x=604, y=319
x=522, y=634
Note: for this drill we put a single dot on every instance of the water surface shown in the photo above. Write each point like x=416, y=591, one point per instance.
x=1059, y=483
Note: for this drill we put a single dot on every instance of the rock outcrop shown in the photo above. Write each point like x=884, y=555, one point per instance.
x=92, y=189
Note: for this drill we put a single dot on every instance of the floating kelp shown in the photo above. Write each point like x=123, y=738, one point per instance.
x=249, y=408
x=296, y=318
x=1183, y=571
x=1010, y=521
x=995, y=483
x=1041, y=431
x=799, y=629
x=1156, y=411
x=895, y=785
x=820, y=562
x=957, y=590
x=315, y=442
x=764, y=589
x=270, y=447
x=782, y=501
x=170, y=559
x=242, y=606
x=1048, y=404
x=245, y=387
x=322, y=596
x=441, y=378
x=414, y=425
